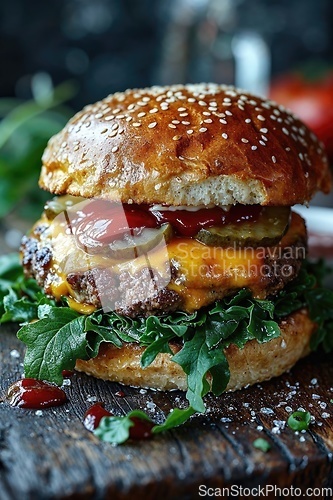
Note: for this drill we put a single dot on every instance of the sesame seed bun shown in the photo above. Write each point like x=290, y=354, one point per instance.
x=186, y=145
x=252, y=364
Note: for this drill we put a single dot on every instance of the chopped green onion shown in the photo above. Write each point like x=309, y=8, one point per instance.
x=262, y=444
x=299, y=420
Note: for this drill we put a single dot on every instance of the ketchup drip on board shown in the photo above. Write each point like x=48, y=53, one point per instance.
x=33, y=394
x=94, y=415
x=140, y=430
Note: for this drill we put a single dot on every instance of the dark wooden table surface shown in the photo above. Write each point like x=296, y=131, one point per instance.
x=50, y=455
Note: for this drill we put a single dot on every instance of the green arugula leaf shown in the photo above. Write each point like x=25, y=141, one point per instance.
x=54, y=343
x=15, y=309
x=98, y=333
x=116, y=430
x=196, y=359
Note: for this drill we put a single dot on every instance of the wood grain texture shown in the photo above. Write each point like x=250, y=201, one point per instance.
x=52, y=456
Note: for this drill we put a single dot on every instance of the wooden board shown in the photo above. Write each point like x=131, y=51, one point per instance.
x=52, y=456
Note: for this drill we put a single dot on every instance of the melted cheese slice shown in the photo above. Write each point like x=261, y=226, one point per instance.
x=201, y=273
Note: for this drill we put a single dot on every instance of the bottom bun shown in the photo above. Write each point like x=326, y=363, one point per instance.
x=254, y=363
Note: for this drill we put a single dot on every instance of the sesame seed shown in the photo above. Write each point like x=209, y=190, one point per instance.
x=136, y=124
x=87, y=124
x=264, y=130
x=273, y=117
x=113, y=133
x=115, y=126
x=276, y=112
x=288, y=149
x=152, y=125
x=176, y=122
x=244, y=140
x=64, y=144
x=183, y=114
x=131, y=106
x=226, y=99
x=76, y=147
x=176, y=137
x=301, y=156
x=208, y=120
x=185, y=123
x=171, y=125
x=99, y=115
x=129, y=118
x=104, y=130
x=225, y=136
x=108, y=118
x=153, y=110
x=254, y=148
x=191, y=99
x=114, y=149
x=228, y=113
x=273, y=159
x=181, y=109
x=202, y=103
x=261, y=118
x=262, y=143
x=140, y=115
x=264, y=138
x=247, y=120
x=189, y=132
x=115, y=111
x=285, y=131
x=206, y=113
x=223, y=121
x=146, y=99
x=203, y=129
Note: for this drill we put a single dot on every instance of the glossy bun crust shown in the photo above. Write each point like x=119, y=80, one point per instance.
x=186, y=145
x=254, y=363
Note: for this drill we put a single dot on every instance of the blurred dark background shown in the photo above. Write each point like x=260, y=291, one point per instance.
x=57, y=56
x=110, y=45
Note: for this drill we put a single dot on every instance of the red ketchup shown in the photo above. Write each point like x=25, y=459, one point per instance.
x=188, y=223
x=34, y=394
x=94, y=415
x=140, y=430
x=120, y=394
x=100, y=222
x=67, y=373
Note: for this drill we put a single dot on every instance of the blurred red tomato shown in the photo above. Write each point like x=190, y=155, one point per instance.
x=312, y=101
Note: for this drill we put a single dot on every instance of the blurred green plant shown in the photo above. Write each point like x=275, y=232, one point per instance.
x=25, y=128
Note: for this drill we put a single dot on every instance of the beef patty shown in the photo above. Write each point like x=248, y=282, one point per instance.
x=126, y=292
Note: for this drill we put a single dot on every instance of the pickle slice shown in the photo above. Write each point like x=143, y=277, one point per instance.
x=58, y=204
x=267, y=230
x=139, y=243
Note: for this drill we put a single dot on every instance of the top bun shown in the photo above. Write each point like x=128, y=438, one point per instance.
x=194, y=144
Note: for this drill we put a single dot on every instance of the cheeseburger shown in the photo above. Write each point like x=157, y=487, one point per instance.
x=172, y=236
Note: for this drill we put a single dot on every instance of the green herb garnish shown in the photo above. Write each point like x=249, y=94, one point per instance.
x=299, y=420
x=262, y=444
